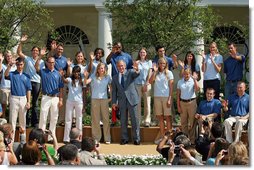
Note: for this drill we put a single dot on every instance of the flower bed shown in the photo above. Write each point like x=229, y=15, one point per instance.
x=135, y=160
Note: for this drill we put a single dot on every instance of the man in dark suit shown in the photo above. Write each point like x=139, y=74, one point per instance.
x=125, y=98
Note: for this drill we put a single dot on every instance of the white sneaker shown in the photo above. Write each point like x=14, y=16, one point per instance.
x=107, y=142
x=158, y=141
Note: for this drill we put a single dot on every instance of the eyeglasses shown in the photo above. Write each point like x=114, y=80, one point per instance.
x=162, y=63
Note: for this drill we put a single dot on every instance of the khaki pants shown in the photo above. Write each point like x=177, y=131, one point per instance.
x=239, y=123
x=147, y=103
x=188, y=118
x=100, y=111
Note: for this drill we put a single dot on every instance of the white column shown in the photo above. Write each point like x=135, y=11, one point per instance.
x=199, y=49
x=104, y=30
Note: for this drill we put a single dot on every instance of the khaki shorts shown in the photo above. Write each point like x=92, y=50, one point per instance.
x=4, y=96
x=160, y=106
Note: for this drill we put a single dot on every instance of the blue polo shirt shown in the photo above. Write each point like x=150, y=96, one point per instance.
x=122, y=56
x=234, y=68
x=51, y=81
x=61, y=63
x=168, y=59
x=239, y=106
x=208, y=107
x=20, y=83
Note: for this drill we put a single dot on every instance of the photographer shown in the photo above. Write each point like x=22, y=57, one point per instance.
x=176, y=151
x=48, y=152
x=90, y=154
x=214, y=130
x=7, y=156
x=171, y=152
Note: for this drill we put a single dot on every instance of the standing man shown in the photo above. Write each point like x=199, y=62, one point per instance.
x=35, y=80
x=60, y=64
x=5, y=85
x=20, y=93
x=125, y=98
x=161, y=53
x=116, y=55
x=233, y=69
x=52, y=93
x=238, y=107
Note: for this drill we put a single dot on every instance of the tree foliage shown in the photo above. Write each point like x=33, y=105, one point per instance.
x=172, y=23
x=23, y=17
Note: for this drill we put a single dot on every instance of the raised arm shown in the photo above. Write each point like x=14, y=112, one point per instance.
x=86, y=79
x=19, y=49
x=37, y=63
x=108, y=59
x=7, y=71
x=61, y=72
x=174, y=58
x=155, y=70
x=90, y=66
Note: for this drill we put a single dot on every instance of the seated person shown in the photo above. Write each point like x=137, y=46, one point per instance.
x=40, y=137
x=238, y=107
x=208, y=109
x=69, y=155
x=179, y=138
x=88, y=148
x=205, y=139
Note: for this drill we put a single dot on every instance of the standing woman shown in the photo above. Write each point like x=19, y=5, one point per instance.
x=211, y=66
x=99, y=104
x=189, y=62
x=143, y=86
x=186, y=103
x=74, y=101
x=35, y=79
x=163, y=80
x=80, y=60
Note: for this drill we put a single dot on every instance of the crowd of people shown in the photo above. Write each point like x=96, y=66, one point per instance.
x=64, y=83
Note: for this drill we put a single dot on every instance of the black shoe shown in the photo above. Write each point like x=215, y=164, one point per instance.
x=124, y=142
x=137, y=142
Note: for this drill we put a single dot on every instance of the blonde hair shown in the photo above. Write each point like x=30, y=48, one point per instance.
x=187, y=70
x=166, y=67
x=2, y=145
x=215, y=44
x=237, y=149
x=98, y=67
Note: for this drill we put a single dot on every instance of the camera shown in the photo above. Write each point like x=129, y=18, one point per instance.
x=225, y=152
x=205, y=123
x=167, y=134
x=7, y=141
x=177, y=149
